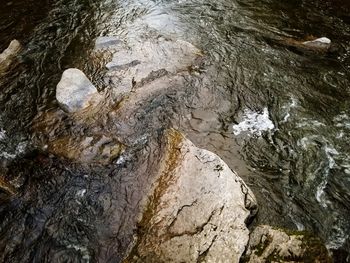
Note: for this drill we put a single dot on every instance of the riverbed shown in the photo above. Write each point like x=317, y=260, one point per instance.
x=274, y=112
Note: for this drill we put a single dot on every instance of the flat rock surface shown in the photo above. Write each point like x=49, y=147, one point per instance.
x=197, y=211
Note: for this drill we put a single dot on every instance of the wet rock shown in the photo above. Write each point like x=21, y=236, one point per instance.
x=91, y=149
x=134, y=62
x=75, y=92
x=204, y=121
x=6, y=186
x=267, y=244
x=319, y=43
x=197, y=211
x=9, y=54
x=106, y=42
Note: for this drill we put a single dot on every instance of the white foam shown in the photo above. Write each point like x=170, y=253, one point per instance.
x=254, y=123
x=337, y=238
x=2, y=134
x=20, y=149
x=121, y=160
x=83, y=250
x=81, y=193
x=320, y=197
x=307, y=123
x=288, y=107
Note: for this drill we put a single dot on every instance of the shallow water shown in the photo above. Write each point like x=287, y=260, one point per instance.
x=277, y=114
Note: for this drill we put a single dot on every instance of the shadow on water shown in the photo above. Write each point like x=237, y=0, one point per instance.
x=297, y=165
x=19, y=18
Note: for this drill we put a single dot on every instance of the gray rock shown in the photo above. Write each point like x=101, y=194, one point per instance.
x=106, y=42
x=267, y=244
x=135, y=61
x=197, y=211
x=75, y=92
x=9, y=54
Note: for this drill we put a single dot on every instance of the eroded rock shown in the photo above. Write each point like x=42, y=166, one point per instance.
x=197, y=211
x=267, y=244
x=9, y=54
x=75, y=92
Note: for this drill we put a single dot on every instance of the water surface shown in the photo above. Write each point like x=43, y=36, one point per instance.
x=277, y=114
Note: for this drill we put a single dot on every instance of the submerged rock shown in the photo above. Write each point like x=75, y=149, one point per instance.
x=267, y=244
x=106, y=42
x=197, y=211
x=75, y=92
x=135, y=61
x=9, y=54
x=92, y=149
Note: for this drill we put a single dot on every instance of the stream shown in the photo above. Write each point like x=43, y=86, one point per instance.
x=277, y=114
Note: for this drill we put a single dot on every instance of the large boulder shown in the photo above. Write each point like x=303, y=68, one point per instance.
x=197, y=211
x=9, y=54
x=75, y=92
x=268, y=244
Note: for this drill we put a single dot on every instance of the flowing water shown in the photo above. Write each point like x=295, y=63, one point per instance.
x=282, y=119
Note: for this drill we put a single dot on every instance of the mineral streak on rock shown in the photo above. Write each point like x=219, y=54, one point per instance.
x=197, y=210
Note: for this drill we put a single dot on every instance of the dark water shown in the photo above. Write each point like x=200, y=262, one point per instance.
x=295, y=156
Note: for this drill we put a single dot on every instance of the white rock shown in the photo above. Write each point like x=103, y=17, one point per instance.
x=75, y=92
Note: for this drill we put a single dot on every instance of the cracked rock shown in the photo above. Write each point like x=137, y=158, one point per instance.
x=197, y=210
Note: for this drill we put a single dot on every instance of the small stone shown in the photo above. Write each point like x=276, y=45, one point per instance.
x=319, y=43
x=75, y=92
x=7, y=57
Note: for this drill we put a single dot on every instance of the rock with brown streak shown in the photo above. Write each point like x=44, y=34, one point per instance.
x=198, y=209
